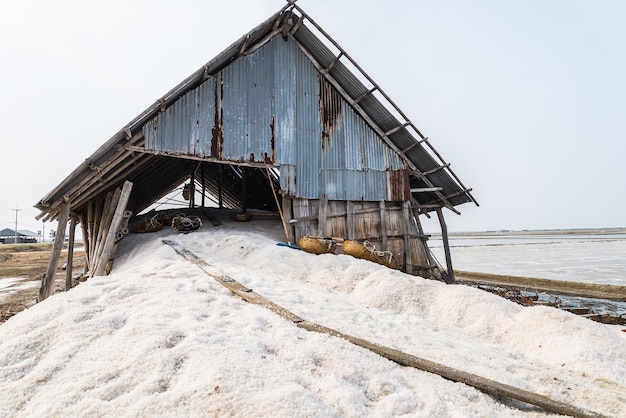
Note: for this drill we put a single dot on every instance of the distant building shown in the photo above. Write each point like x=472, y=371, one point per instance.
x=23, y=236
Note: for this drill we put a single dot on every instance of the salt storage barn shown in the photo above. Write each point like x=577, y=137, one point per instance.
x=285, y=121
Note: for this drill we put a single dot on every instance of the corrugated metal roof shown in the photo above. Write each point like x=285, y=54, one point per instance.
x=322, y=131
x=260, y=91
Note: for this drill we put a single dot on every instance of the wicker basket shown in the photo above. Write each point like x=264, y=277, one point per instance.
x=359, y=250
x=186, y=224
x=316, y=246
x=240, y=216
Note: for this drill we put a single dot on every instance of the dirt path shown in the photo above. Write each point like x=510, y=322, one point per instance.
x=29, y=262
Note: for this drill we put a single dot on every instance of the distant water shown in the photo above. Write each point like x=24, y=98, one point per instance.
x=588, y=257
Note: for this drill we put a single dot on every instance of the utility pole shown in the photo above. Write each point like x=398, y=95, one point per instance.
x=16, y=211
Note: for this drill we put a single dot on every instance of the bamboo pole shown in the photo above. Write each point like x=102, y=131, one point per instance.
x=47, y=281
x=113, y=229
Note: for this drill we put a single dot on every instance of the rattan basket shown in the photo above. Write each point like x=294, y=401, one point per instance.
x=316, y=246
x=357, y=249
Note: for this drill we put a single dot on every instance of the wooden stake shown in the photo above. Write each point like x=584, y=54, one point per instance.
x=47, y=281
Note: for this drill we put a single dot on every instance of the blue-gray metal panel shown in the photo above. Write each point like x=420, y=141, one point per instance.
x=248, y=87
x=308, y=128
x=205, y=117
x=420, y=156
x=288, y=179
x=150, y=133
x=185, y=127
x=235, y=109
x=261, y=104
x=177, y=134
x=334, y=140
x=354, y=185
x=351, y=143
x=355, y=158
x=285, y=100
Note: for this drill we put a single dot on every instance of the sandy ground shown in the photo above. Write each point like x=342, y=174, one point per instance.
x=29, y=262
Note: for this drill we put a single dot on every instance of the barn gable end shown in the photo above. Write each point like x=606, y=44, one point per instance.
x=282, y=109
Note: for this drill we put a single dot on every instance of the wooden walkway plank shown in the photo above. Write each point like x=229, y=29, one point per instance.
x=586, y=290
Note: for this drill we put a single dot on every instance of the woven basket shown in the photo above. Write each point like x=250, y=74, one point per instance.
x=186, y=224
x=358, y=250
x=240, y=217
x=316, y=246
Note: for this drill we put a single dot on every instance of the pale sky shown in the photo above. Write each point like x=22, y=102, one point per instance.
x=525, y=98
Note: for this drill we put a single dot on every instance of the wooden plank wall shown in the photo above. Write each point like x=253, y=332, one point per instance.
x=389, y=226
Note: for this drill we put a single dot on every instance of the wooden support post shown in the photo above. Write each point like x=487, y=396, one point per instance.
x=383, y=225
x=424, y=239
x=113, y=229
x=350, y=219
x=47, y=281
x=86, y=224
x=321, y=216
x=83, y=227
x=244, y=189
x=118, y=237
x=70, y=254
x=203, y=184
x=97, y=216
x=220, y=191
x=107, y=215
x=288, y=214
x=192, y=189
x=408, y=250
x=446, y=247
